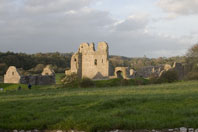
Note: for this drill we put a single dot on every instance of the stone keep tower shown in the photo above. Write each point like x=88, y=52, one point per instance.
x=91, y=63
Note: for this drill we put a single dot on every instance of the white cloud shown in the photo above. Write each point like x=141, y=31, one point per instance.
x=61, y=25
x=133, y=23
x=179, y=7
x=53, y=6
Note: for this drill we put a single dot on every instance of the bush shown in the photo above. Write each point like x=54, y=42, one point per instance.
x=192, y=76
x=107, y=83
x=168, y=76
x=86, y=82
x=121, y=82
x=153, y=79
x=74, y=81
x=3, y=68
x=139, y=81
x=71, y=80
x=124, y=82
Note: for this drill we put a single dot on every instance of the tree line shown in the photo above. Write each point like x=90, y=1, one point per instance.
x=61, y=61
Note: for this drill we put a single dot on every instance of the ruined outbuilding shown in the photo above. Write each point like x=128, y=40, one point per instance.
x=149, y=71
x=17, y=76
x=12, y=75
x=91, y=63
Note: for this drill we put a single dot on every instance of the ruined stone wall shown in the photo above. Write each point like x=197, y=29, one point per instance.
x=148, y=71
x=91, y=63
x=48, y=71
x=95, y=64
x=76, y=64
x=122, y=72
x=145, y=72
x=38, y=80
x=12, y=75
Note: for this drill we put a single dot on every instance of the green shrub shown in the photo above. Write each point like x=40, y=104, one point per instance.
x=124, y=82
x=3, y=68
x=74, y=81
x=192, y=76
x=71, y=80
x=107, y=83
x=121, y=82
x=154, y=80
x=1, y=79
x=168, y=76
x=141, y=81
x=86, y=82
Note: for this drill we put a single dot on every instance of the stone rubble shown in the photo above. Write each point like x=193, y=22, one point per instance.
x=183, y=129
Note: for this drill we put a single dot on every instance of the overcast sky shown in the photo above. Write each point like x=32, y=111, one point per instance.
x=132, y=28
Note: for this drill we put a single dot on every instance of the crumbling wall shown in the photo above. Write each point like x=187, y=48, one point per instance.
x=48, y=71
x=91, y=63
x=12, y=75
x=38, y=80
x=122, y=72
x=146, y=72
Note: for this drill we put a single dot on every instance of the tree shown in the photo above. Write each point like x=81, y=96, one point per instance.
x=193, y=51
x=192, y=58
x=3, y=68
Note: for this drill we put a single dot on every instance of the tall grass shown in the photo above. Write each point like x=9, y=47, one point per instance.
x=91, y=109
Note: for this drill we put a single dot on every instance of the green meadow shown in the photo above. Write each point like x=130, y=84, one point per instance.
x=91, y=109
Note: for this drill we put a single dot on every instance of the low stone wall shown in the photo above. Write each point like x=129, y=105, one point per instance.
x=38, y=80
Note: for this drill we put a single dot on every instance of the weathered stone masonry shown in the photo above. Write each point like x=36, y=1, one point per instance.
x=15, y=76
x=94, y=64
x=91, y=63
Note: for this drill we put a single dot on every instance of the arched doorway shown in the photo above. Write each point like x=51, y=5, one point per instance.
x=119, y=74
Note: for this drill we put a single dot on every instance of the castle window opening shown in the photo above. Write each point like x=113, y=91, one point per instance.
x=102, y=60
x=95, y=62
x=13, y=73
x=75, y=60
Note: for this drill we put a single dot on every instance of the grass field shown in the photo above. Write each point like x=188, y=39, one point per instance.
x=133, y=107
x=59, y=77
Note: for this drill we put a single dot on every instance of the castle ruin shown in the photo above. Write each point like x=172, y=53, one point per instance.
x=17, y=76
x=94, y=64
x=91, y=63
